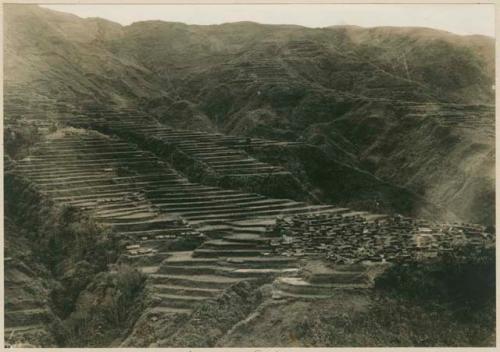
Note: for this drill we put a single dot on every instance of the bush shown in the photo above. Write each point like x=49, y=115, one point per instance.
x=464, y=277
x=459, y=288
x=106, y=308
x=127, y=283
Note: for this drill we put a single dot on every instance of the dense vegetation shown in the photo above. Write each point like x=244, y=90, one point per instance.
x=107, y=309
x=457, y=288
x=77, y=254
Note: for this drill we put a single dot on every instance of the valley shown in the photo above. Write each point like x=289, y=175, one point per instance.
x=164, y=180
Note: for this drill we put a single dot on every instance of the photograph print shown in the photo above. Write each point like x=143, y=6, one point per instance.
x=249, y=175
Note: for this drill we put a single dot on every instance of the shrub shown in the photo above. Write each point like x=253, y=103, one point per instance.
x=106, y=308
x=127, y=284
x=458, y=288
x=464, y=276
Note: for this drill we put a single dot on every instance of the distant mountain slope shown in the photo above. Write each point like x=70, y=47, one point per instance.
x=412, y=106
x=375, y=63
x=63, y=56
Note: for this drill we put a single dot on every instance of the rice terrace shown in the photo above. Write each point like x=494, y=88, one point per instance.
x=246, y=184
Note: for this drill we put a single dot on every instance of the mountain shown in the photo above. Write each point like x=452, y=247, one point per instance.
x=62, y=56
x=411, y=109
x=227, y=185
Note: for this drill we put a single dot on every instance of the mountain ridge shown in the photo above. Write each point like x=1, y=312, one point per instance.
x=372, y=98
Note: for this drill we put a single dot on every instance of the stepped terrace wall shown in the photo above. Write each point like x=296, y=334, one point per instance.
x=273, y=184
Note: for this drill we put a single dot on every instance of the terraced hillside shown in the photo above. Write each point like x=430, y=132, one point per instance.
x=186, y=196
x=146, y=203
x=193, y=241
x=397, y=109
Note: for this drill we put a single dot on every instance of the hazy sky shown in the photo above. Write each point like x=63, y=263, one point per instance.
x=457, y=18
